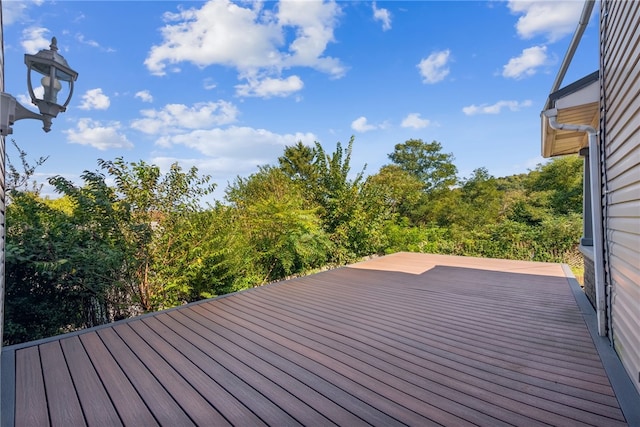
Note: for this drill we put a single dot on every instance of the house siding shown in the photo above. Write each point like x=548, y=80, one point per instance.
x=620, y=54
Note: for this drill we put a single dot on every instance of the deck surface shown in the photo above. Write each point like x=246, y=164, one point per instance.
x=407, y=339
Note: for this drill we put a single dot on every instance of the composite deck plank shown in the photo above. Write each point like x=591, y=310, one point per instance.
x=130, y=406
x=508, y=317
x=161, y=404
x=471, y=348
x=407, y=339
x=484, y=342
x=96, y=405
x=322, y=388
x=230, y=378
x=64, y=406
x=308, y=355
x=416, y=382
x=539, y=346
x=320, y=395
x=31, y=399
x=216, y=397
x=275, y=385
x=450, y=321
x=351, y=294
x=190, y=400
x=339, y=323
x=443, y=377
x=444, y=339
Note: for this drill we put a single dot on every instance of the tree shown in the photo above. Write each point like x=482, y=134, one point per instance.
x=21, y=179
x=276, y=234
x=399, y=193
x=159, y=208
x=336, y=192
x=480, y=200
x=299, y=162
x=427, y=162
x=561, y=181
x=63, y=260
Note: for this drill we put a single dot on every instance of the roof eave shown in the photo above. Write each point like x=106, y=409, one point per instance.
x=577, y=103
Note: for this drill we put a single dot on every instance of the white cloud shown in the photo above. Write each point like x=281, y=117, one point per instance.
x=249, y=39
x=13, y=11
x=269, y=87
x=434, y=67
x=175, y=118
x=553, y=19
x=314, y=22
x=526, y=64
x=82, y=39
x=360, y=125
x=383, y=15
x=237, y=149
x=414, y=121
x=35, y=39
x=98, y=135
x=209, y=84
x=496, y=108
x=218, y=33
x=94, y=99
x=144, y=96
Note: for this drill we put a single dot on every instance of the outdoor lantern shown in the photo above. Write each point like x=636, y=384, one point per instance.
x=53, y=71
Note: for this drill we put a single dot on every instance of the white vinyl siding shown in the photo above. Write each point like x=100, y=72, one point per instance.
x=620, y=50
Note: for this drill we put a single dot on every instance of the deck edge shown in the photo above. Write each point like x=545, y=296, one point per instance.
x=8, y=389
x=625, y=392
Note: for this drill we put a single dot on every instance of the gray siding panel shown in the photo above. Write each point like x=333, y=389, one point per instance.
x=626, y=273
x=626, y=240
x=620, y=49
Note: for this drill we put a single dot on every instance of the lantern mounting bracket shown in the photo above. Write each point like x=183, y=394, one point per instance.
x=11, y=111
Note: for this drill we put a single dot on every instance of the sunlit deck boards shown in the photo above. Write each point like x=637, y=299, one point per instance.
x=409, y=339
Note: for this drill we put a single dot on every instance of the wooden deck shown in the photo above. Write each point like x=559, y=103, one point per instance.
x=407, y=339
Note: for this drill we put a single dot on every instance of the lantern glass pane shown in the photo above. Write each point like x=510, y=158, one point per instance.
x=45, y=70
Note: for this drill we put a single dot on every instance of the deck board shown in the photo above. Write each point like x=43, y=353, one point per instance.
x=400, y=377
x=63, y=403
x=406, y=339
x=191, y=376
x=31, y=400
x=334, y=332
x=314, y=390
x=185, y=395
x=96, y=405
x=127, y=401
x=161, y=404
x=240, y=396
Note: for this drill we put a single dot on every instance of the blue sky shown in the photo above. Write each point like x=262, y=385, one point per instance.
x=225, y=86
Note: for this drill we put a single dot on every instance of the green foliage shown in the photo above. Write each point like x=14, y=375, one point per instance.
x=398, y=193
x=62, y=269
x=299, y=162
x=159, y=214
x=560, y=182
x=284, y=237
x=427, y=162
x=479, y=202
x=342, y=207
x=22, y=179
x=103, y=252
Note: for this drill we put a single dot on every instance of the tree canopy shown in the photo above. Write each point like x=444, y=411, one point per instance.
x=427, y=162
